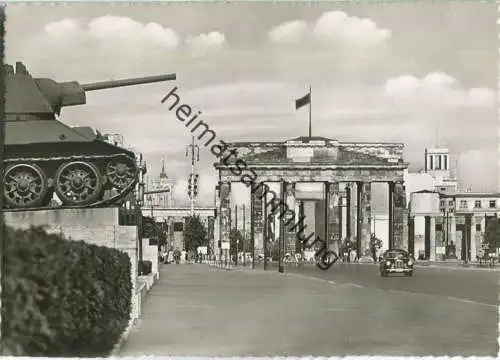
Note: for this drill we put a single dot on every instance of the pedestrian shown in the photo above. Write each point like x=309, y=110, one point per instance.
x=352, y=256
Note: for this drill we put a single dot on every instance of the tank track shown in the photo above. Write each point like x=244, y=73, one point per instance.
x=56, y=160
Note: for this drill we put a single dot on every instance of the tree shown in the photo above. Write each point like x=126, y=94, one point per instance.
x=375, y=245
x=492, y=235
x=195, y=234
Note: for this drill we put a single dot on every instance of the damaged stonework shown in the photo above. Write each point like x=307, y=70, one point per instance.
x=330, y=162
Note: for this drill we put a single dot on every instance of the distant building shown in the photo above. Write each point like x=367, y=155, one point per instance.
x=444, y=222
x=437, y=175
x=162, y=182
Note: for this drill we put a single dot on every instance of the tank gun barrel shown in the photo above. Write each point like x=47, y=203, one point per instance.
x=127, y=82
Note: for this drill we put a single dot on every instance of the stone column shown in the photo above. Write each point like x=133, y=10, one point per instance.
x=211, y=235
x=352, y=210
x=411, y=236
x=348, y=227
x=400, y=216
x=290, y=218
x=359, y=218
x=480, y=237
x=332, y=215
x=171, y=244
x=225, y=217
x=432, y=234
x=452, y=231
x=364, y=213
x=257, y=217
x=300, y=225
x=343, y=218
x=473, y=237
x=391, y=214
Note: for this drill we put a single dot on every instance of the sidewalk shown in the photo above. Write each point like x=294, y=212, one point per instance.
x=456, y=265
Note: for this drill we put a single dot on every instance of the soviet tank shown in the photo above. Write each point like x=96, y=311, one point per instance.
x=42, y=155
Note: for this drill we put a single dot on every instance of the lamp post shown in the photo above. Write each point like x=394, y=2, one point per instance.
x=139, y=201
x=193, y=151
x=244, y=238
x=236, y=232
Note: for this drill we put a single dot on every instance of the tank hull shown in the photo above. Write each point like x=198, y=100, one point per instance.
x=74, y=163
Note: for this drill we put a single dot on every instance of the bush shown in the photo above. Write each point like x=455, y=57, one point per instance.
x=62, y=298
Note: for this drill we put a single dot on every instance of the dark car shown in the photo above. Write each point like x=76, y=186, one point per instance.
x=396, y=261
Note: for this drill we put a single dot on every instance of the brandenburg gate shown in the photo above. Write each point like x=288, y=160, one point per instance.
x=344, y=171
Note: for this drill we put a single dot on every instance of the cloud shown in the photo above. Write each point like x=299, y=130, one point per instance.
x=437, y=89
x=111, y=28
x=201, y=44
x=61, y=28
x=334, y=27
x=110, y=46
x=337, y=26
x=288, y=32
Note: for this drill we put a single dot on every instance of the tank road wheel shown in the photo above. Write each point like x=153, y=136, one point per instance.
x=120, y=174
x=25, y=186
x=78, y=183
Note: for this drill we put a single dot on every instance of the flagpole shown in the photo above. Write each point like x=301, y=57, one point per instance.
x=310, y=105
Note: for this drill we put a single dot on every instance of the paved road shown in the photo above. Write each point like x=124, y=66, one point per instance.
x=200, y=311
x=477, y=285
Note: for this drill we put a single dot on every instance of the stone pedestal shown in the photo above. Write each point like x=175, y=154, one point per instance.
x=150, y=252
x=95, y=226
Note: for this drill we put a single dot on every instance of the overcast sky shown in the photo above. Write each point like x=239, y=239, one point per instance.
x=379, y=72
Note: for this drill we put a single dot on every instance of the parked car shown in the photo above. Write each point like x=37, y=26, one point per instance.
x=396, y=261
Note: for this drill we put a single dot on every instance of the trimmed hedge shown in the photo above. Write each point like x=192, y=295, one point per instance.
x=62, y=298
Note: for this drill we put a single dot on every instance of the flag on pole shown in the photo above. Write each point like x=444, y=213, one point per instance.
x=303, y=101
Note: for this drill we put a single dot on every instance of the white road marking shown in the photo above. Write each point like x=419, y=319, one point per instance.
x=358, y=286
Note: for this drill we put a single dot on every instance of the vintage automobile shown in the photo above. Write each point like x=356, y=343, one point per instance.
x=396, y=261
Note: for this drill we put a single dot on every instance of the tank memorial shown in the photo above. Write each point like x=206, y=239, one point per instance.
x=98, y=185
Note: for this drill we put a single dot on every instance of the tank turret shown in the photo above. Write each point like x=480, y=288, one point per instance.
x=46, y=97
x=44, y=156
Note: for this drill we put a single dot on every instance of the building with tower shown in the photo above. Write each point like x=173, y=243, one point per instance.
x=162, y=182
